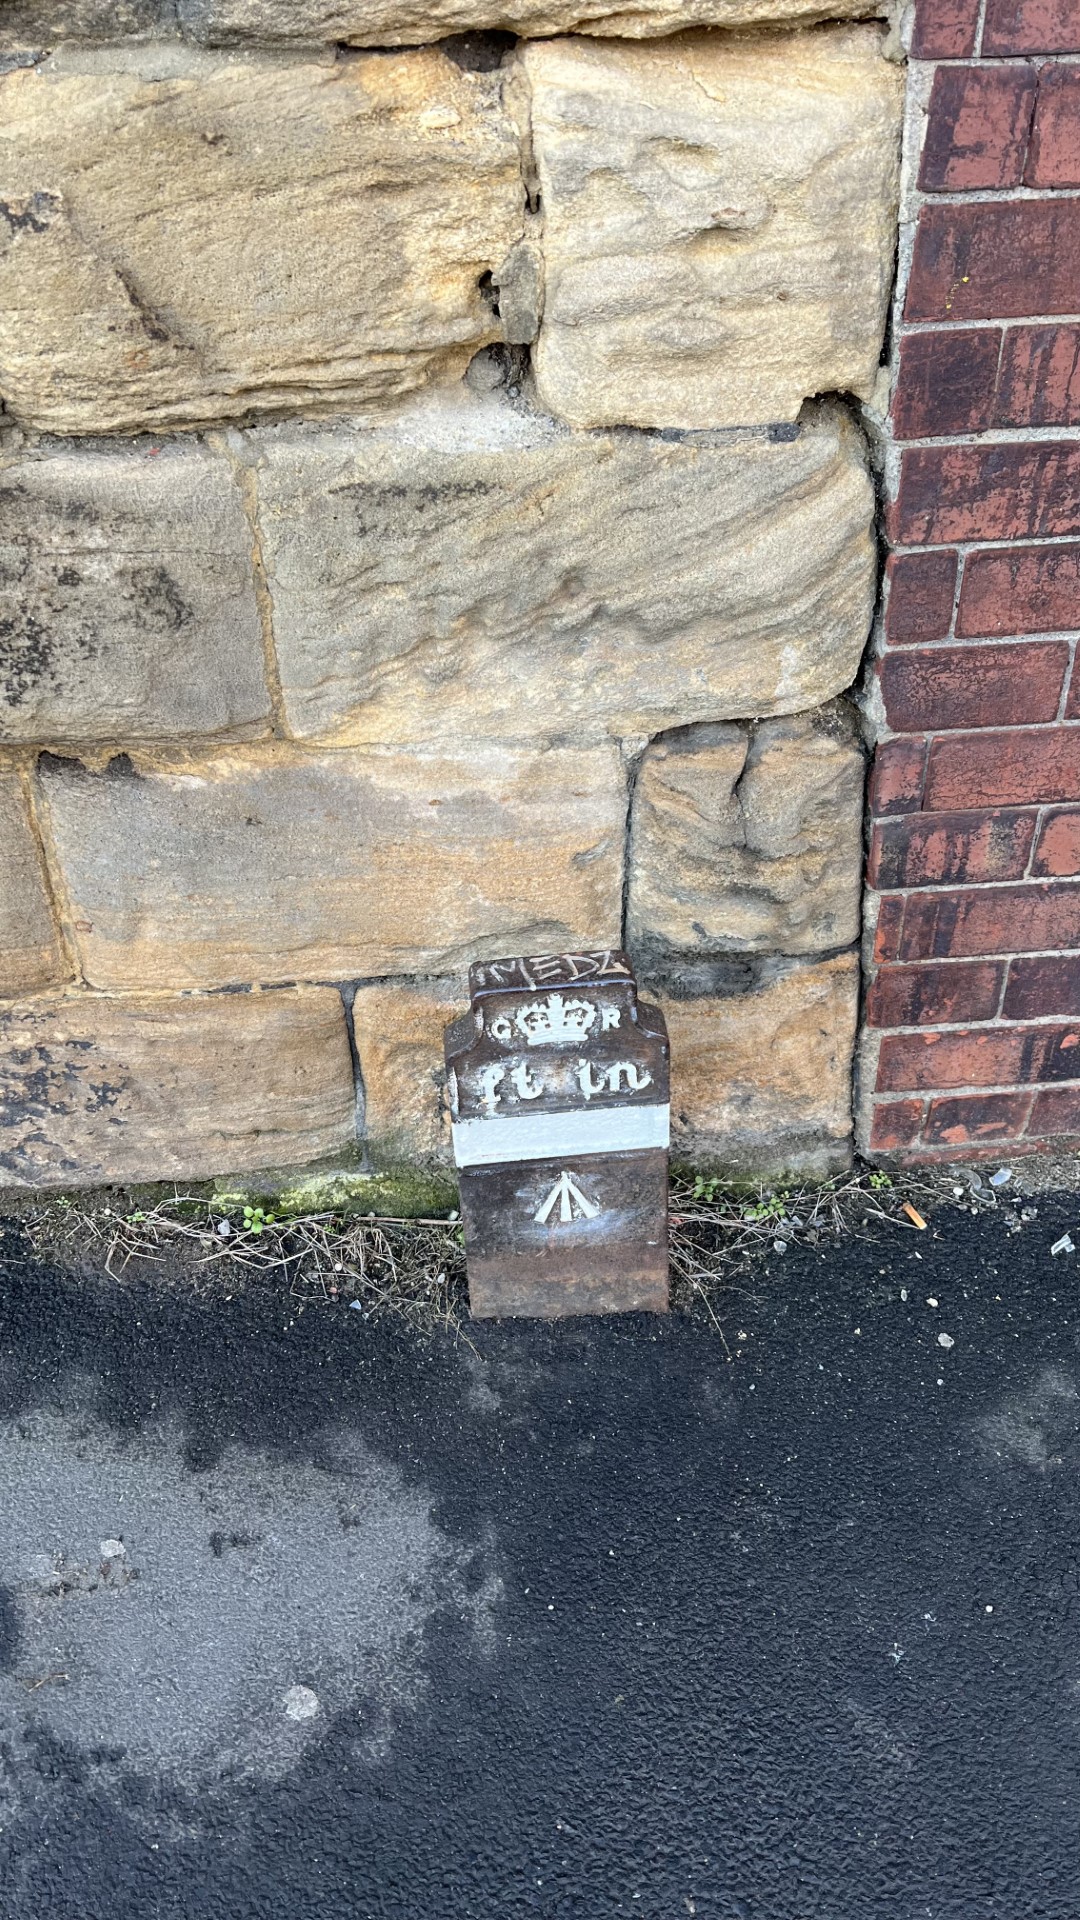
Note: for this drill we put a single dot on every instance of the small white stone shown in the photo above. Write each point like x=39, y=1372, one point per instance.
x=945, y=1340
x=112, y=1549
x=903, y=1293
x=300, y=1703
x=930, y=1301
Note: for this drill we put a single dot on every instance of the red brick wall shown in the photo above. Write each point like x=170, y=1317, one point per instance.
x=971, y=1039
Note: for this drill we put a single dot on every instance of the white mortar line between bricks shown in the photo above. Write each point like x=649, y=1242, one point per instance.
x=980, y=27
x=1002, y=726
x=944, y=887
x=958, y=1093
x=978, y=546
x=997, y=60
x=1067, y=683
x=957, y=960
x=995, y=437
x=980, y=326
x=961, y=557
x=896, y=650
x=995, y=196
x=1043, y=1022
x=1040, y=817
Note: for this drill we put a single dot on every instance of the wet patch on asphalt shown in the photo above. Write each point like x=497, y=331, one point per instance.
x=792, y=1637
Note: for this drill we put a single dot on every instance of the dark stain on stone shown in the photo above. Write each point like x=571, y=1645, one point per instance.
x=34, y=214
x=9, y=1631
x=102, y=1095
x=33, y=656
x=222, y=1542
x=381, y=511
x=158, y=597
x=120, y=767
x=38, y=1084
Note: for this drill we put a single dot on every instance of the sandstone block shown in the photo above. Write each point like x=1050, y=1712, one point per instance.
x=472, y=568
x=41, y=23
x=398, y=1028
x=190, y=236
x=164, y=1087
x=761, y=1081
x=719, y=223
x=749, y=840
x=127, y=602
x=273, y=866
x=385, y=23
x=30, y=951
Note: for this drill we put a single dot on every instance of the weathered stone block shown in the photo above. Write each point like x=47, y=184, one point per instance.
x=398, y=1027
x=472, y=569
x=749, y=840
x=761, y=1081
x=127, y=601
x=189, y=237
x=269, y=865
x=385, y=23
x=149, y=1088
x=719, y=223
x=41, y=23
x=30, y=951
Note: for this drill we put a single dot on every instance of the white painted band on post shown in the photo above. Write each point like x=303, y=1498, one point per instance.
x=488, y=1140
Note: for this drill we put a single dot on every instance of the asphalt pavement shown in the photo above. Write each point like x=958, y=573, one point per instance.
x=302, y=1616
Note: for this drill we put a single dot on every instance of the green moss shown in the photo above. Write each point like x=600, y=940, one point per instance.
x=405, y=1192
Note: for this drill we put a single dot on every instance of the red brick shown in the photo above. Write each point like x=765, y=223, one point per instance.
x=940, y=993
x=1054, y=159
x=982, y=1057
x=936, y=688
x=1055, y=1113
x=1043, y=984
x=941, y=849
x=1058, y=853
x=896, y=777
x=977, y=132
x=896, y=1123
x=1002, y=491
x=1039, y=384
x=922, y=588
x=946, y=382
x=995, y=260
x=1020, y=590
x=1072, y=703
x=981, y=1117
x=1015, y=769
x=944, y=29
x=890, y=926
x=1038, y=917
x=1030, y=26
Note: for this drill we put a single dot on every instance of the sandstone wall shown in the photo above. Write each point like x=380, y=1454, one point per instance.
x=434, y=521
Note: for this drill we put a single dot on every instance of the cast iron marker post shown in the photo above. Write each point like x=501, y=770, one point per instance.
x=558, y=1082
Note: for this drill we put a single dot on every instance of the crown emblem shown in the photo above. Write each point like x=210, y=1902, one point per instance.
x=555, y=1021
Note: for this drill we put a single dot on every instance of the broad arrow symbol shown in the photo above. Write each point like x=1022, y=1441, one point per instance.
x=570, y=1197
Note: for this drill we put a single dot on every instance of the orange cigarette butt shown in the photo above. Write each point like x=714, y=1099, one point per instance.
x=914, y=1216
